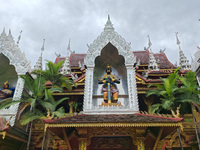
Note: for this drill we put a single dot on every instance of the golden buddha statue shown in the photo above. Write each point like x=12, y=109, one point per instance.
x=110, y=91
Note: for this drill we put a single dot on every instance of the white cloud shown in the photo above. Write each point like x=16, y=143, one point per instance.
x=83, y=20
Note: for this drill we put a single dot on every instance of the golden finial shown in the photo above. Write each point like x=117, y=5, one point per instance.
x=177, y=115
x=8, y=122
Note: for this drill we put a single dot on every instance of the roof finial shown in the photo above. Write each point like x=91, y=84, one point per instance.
x=177, y=40
x=43, y=45
x=149, y=44
x=109, y=25
x=19, y=38
x=69, y=49
x=10, y=37
x=9, y=31
x=38, y=65
x=183, y=62
x=3, y=33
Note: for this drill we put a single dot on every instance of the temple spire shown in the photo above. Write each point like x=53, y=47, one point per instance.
x=10, y=37
x=149, y=44
x=183, y=62
x=153, y=66
x=109, y=25
x=38, y=65
x=66, y=69
x=19, y=38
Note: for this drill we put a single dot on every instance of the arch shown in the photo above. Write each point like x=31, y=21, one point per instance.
x=109, y=36
x=7, y=72
x=11, y=50
x=14, y=54
x=104, y=39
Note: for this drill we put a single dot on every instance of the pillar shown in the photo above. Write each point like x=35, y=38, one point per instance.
x=140, y=143
x=17, y=96
x=82, y=143
x=82, y=138
x=140, y=138
x=132, y=88
x=87, y=105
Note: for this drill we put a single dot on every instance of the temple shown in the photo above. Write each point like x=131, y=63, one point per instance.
x=111, y=84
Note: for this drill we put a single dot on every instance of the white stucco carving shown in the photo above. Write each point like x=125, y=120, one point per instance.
x=124, y=49
x=10, y=49
x=87, y=105
x=109, y=36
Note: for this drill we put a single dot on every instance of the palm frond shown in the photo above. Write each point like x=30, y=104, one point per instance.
x=30, y=116
x=7, y=103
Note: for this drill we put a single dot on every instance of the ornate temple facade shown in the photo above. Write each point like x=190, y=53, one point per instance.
x=112, y=81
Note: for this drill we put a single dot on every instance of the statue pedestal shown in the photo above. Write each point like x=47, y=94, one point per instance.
x=110, y=104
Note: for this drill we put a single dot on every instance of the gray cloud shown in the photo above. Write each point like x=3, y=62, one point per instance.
x=83, y=20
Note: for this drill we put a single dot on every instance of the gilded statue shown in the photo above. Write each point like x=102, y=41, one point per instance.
x=110, y=91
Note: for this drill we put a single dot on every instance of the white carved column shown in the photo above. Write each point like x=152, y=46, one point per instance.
x=17, y=96
x=88, y=89
x=132, y=89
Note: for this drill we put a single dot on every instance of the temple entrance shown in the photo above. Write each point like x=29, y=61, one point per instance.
x=112, y=143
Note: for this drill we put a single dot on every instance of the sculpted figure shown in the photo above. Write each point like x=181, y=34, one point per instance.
x=110, y=91
x=6, y=92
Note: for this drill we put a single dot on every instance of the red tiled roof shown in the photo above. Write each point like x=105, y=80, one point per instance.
x=58, y=59
x=75, y=58
x=143, y=56
x=122, y=118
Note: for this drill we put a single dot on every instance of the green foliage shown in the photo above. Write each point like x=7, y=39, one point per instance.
x=171, y=95
x=31, y=115
x=38, y=98
x=190, y=89
x=75, y=106
x=52, y=74
x=167, y=92
x=7, y=103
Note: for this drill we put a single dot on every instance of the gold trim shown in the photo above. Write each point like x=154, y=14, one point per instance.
x=47, y=125
x=141, y=80
x=78, y=93
x=3, y=134
x=77, y=83
x=75, y=67
x=82, y=79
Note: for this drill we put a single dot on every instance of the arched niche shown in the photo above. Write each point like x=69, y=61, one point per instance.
x=109, y=43
x=16, y=62
x=109, y=55
x=7, y=72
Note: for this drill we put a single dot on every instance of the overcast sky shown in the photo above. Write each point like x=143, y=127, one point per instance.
x=83, y=20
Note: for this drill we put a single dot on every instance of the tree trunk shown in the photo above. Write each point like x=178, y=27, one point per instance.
x=179, y=135
x=29, y=136
x=195, y=125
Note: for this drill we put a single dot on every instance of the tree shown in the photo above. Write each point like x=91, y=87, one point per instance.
x=51, y=73
x=38, y=98
x=168, y=93
x=191, y=95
